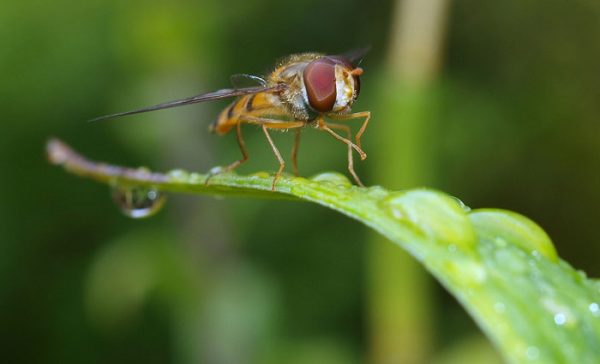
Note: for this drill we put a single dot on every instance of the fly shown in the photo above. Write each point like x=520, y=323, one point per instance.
x=303, y=90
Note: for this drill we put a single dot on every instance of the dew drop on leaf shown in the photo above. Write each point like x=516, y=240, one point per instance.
x=561, y=315
x=179, y=175
x=437, y=215
x=216, y=170
x=582, y=274
x=377, y=192
x=138, y=202
x=515, y=229
x=333, y=178
x=560, y=319
x=462, y=204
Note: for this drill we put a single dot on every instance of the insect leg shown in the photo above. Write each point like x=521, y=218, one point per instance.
x=234, y=165
x=274, y=124
x=356, y=115
x=277, y=154
x=295, y=151
x=323, y=126
x=242, y=144
x=346, y=128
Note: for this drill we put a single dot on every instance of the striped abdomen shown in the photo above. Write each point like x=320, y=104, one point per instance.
x=255, y=105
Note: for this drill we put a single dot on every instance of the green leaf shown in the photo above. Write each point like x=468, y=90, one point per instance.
x=501, y=266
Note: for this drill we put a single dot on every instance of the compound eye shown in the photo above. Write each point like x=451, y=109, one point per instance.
x=320, y=83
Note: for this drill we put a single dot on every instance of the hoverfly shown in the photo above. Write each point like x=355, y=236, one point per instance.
x=302, y=91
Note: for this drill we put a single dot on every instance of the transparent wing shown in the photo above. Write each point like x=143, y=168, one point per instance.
x=240, y=80
x=209, y=96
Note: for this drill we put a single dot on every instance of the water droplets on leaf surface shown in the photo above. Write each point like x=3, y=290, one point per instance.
x=561, y=315
x=433, y=214
x=560, y=319
x=178, y=175
x=333, y=178
x=461, y=204
x=582, y=274
x=377, y=192
x=512, y=228
x=138, y=202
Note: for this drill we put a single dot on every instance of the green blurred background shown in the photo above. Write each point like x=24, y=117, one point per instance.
x=497, y=103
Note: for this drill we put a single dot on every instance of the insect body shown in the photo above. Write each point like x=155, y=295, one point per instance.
x=303, y=90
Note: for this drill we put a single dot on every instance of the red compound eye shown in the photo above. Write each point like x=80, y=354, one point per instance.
x=319, y=80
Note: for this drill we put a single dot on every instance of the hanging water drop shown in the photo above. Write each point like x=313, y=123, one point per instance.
x=138, y=202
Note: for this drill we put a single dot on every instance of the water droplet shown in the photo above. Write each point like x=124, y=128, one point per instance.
x=560, y=313
x=515, y=229
x=560, y=319
x=217, y=170
x=582, y=274
x=138, y=202
x=532, y=353
x=472, y=274
x=433, y=213
x=594, y=308
x=178, y=175
x=334, y=178
x=499, y=307
x=377, y=192
x=462, y=204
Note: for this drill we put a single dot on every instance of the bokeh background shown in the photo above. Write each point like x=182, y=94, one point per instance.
x=497, y=103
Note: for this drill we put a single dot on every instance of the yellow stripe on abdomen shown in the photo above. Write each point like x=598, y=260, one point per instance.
x=256, y=105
